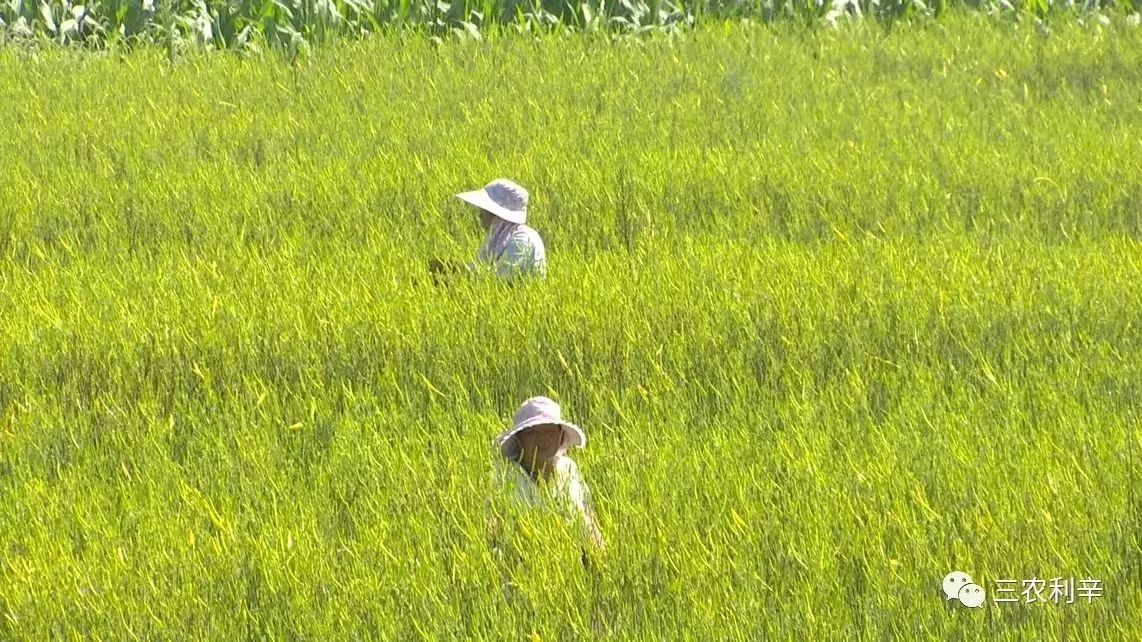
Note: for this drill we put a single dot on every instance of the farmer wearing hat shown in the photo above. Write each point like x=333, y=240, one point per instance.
x=510, y=247
x=533, y=458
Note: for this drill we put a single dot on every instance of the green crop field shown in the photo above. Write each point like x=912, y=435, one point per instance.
x=840, y=311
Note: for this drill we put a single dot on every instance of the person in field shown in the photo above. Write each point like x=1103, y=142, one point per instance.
x=510, y=249
x=532, y=461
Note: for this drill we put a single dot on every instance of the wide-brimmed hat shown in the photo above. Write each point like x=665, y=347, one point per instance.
x=501, y=197
x=537, y=411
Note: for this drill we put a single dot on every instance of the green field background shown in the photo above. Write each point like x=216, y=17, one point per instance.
x=840, y=312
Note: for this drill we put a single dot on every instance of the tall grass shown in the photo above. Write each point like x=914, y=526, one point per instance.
x=839, y=312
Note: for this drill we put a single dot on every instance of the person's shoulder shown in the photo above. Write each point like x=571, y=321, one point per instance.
x=527, y=237
x=567, y=466
x=525, y=232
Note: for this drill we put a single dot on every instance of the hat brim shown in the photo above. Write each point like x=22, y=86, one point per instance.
x=480, y=199
x=509, y=444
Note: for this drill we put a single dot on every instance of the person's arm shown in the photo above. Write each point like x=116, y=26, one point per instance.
x=580, y=496
x=517, y=259
x=594, y=544
x=593, y=530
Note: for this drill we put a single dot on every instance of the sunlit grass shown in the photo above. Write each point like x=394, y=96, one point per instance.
x=839, y=312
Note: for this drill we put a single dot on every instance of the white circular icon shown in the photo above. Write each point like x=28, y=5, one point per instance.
x=971, y=595
x=955, y=581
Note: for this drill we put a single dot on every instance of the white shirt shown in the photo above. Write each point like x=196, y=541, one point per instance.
x=565, y=491
x=513, y=250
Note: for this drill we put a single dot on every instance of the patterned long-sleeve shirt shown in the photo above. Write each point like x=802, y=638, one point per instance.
x=512, y=250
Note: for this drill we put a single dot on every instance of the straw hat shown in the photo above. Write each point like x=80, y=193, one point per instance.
x=537, y=411
x=501, y=197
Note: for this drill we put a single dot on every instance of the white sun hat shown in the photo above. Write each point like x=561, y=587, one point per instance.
x=501, y=197
x=537, y=411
